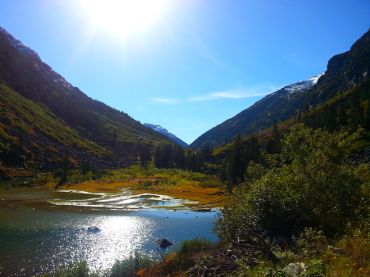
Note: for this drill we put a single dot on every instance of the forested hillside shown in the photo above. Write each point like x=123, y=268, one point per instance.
x=43, y=118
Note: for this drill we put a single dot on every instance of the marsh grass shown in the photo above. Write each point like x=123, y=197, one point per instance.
x=205, y=189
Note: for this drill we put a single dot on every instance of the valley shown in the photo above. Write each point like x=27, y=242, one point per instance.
x=281, y=188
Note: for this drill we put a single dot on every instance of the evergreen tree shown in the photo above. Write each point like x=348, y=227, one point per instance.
x=254, y=153
x=367, y=125
x=357, y=113
x=273, y=145
x=144, y=156
x=85, y=167
x=14, y=155
x=331, y=119
x=63, y=172
x=236, y=166
x=342, y=116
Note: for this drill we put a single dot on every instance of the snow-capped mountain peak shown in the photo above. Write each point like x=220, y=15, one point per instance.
x=314, y=79
x=303, y=85
x=166, y=133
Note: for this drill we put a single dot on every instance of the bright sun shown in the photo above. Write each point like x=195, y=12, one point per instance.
x=123, y=17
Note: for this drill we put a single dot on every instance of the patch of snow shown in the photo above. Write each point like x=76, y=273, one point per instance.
x=316, y=78
x=163, y=131
x=63, y=82
x=303, y=85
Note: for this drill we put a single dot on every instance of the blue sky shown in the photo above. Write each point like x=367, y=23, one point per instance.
x=199, y=63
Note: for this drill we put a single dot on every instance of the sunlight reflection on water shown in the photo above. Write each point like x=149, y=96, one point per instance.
x=119, y=237
x=39, y=238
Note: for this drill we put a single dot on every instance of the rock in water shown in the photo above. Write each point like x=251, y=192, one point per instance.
x=163, y=243
x=93, y=229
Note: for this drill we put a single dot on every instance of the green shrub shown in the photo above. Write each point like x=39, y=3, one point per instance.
x=311, y=242
x=313, y=188
x=316, y=268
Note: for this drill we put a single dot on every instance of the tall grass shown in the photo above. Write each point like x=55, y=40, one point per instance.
x=126, y=268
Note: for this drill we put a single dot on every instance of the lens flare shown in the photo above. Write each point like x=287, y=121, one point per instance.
x=123, y=18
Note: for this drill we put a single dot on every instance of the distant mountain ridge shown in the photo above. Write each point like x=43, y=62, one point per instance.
x=276, y=106
x=76, y=126
x=344, y=71
x=159, y=129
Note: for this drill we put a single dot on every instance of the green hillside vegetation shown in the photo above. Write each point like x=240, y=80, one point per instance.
x=23, y=70
x=19, y=113
x=348, y=109
x=44, y=119
x=30, y=133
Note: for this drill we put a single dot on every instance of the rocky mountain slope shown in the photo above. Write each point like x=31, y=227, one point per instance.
x=276, y=106
x=344, y=72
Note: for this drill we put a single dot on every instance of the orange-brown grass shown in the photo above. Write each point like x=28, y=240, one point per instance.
x=206, y=190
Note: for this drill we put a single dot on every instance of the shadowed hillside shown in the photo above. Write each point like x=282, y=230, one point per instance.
x=46, y=118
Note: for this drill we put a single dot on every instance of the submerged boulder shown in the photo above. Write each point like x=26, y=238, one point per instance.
x=163, y=243
x=93, y=229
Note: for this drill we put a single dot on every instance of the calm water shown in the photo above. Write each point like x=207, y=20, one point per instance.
x=43, y=230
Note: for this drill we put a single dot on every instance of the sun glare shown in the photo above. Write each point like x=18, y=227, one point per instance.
x=123, y=17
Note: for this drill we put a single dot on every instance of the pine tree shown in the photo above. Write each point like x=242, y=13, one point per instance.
x=342, y=116
x=236, y=167
x=331, y=119
x=65, y=170
x=367, y=125
x=274, y=145
x=254, y=153
x=357, y=113
x=144, y=156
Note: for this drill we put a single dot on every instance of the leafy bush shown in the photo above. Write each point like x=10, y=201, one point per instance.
x=316, y=268
x=311, y=242
x=313, y=188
